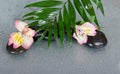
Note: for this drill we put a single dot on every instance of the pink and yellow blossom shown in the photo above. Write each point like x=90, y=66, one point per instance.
x=22, y=38
x=83, y=31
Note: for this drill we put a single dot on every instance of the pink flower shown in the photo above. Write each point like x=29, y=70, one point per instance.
x=84, y=30
x=22, y=38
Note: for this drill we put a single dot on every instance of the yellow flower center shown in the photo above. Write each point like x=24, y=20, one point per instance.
x=87, y=30
x=17, y=38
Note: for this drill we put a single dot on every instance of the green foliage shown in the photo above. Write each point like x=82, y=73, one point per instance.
x=45, y=3
x=58, y=17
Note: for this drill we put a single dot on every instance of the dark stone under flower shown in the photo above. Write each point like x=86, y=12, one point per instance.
x=97, y=41
x=39, y=34
x=19, y=50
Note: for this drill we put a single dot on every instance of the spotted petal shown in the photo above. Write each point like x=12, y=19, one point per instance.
x=20, y=25
x=77, y=28
x=81, y=37
x=28, y=41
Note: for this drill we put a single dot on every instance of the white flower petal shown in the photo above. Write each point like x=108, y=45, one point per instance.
x=10, y=41
x=92, y=33
x=16, y=45
x=28, y=41
x=87, y=24
x=89, y=29
x=20, y=25
x=81, y=38
x=29, y=32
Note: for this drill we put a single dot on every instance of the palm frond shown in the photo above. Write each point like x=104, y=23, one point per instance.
x=50, y=35
x=67, y=23
x=99, y=5
x=61, y=28
x=45, y=3
x=60, y=16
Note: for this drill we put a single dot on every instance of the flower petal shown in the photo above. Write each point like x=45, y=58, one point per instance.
x=77, y=27
x=87, y=24
x=92, y=33
x=17, y=39
x=29, y=32
x=89, y=29
x=28, y=41
x=32, y=32
x=81, y=38
x=10, y=41
x=20, y=25
x=16, y=45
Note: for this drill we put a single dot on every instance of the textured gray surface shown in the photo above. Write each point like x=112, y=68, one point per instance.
x=75, y=59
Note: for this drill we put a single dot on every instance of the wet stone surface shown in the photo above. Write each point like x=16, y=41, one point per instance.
x=97, y=41
x=19, y=50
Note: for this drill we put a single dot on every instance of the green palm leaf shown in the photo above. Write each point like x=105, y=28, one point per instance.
x=44, y=11
x=43, y=34
x=42, y=27
x=67, y=24
x=61, y=28
x=61, y=17
x=45, y=3
x=89, y=8
x=80, y=10
x=72, y=14
x=33, y=23
x=99, y=5
x=50, y=35
x=55, y=30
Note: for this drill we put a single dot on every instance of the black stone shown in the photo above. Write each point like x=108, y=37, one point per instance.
x=97, y=41
x=19, y=50
x=39, y=34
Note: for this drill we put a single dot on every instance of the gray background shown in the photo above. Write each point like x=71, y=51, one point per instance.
x=75, y=59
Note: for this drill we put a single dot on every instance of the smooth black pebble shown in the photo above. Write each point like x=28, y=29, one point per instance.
x=19, y=50
x=97, y=41
x=39, y=34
